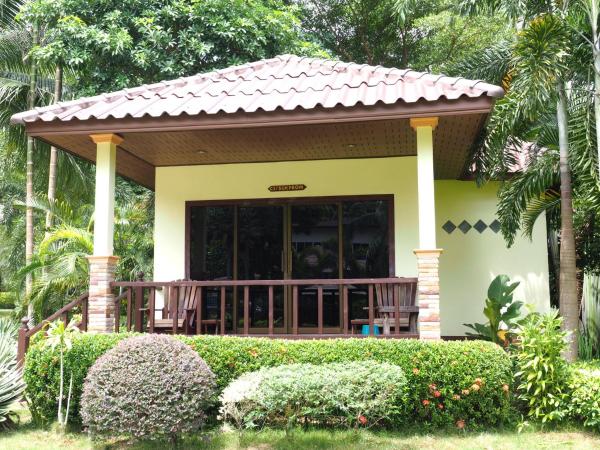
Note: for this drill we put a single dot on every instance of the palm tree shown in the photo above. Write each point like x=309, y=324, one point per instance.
x=539, y=80
x=59, y=267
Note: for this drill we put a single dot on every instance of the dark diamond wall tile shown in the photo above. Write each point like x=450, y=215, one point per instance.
x=449, y=227
x=464, y=226
x=495, y=226
x=480, y=226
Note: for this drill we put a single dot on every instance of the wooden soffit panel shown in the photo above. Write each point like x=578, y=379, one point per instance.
x=140, y=152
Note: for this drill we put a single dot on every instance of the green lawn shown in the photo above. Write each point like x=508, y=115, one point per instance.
x=5, y=312
x=26, y=437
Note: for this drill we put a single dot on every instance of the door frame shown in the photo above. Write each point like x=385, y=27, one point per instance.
x=284, y=201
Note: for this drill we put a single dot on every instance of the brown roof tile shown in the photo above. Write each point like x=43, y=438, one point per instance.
x=285, y=82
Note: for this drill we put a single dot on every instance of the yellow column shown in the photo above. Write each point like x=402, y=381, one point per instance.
x=104, y=211
x=103, y=263
x=427, y=254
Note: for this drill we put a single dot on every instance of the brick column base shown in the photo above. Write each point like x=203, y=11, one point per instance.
x=428, y=291
x=101, y=304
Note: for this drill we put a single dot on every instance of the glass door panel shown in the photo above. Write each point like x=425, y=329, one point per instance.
x=315, y=254
x=365, y=234
x=211, y=252
x=260, y=257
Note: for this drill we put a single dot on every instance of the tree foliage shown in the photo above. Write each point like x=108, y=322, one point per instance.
x=157, y=39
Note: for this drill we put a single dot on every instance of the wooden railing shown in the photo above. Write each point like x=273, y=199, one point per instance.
x=65, y=314
x=184, y=306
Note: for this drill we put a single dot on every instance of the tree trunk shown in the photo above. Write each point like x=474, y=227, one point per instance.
x=594, y=14
x=53, y=151
x=31, y=97
x=568, y=304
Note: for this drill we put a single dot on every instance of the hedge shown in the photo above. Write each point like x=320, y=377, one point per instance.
x=466, y=383
x=584, y=395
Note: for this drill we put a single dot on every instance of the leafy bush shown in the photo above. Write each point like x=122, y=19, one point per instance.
x=453, y=368
x=540, y=368
x=150, y=386
x=335, y=394
x=584, y=386
x=7, y=300
x=11, y=381
x=589, y=329
x=501, y=311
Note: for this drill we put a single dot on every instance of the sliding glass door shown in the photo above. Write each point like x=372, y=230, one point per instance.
x=304, y=239
x=315, y=255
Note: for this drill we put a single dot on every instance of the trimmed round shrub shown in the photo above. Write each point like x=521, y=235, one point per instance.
x=584, y=404
x=337, y=394
x=150, y=387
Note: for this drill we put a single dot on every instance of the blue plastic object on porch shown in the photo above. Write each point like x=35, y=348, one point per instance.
x=365, y=330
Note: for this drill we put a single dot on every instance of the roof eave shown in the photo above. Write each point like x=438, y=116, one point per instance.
x=278, y=117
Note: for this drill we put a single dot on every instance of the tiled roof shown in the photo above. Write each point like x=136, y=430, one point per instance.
x=285, y=82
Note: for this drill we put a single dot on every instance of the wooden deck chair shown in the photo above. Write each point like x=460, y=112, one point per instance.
x=385, y=310
x=187, y=302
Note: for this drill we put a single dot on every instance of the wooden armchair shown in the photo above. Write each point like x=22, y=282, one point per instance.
x=386, y=310
x=184, y=303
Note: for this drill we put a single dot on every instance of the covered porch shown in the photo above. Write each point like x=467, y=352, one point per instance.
x=294, y=197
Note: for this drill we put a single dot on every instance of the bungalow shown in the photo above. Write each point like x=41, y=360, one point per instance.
x=297, y=197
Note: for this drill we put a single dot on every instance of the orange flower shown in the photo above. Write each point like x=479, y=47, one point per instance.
x=440, y=406
x=505, y=387
x=475, y=387
x=460, y=424
x=416, y=371
x=456, y=397
x=465, y=392
x=253, y=353
x=362, y=419
x=425, y=402
x=437, y=394
x=478, y=381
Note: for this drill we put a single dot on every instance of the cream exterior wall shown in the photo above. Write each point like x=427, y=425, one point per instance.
x=471, y=261
x=468, y=263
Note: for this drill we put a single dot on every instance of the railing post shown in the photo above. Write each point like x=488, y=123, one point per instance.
x=129, y=309
x=271, y=313
x=175, y=307
x=371, y=311
x=139, y=300
x=346, y=318
x=118, y=313
x=246, y=310
x=84, y=314
x=320, y=309
x=23, y=342
x=223, y=295
x=295, y=309
x=199, y=312
x=151, y=308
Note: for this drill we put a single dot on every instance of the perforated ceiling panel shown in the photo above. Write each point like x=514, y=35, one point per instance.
x=377, y=138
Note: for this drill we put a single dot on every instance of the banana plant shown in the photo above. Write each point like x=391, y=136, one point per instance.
x=501, y=310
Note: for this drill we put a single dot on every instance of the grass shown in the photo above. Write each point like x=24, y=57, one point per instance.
x=27, y=437
x=5, y=312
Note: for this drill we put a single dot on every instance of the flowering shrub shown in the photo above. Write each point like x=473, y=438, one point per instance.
x=238, y=400
x=337, y=394
x=453, y=367
x=150, y=386
x=584, y=388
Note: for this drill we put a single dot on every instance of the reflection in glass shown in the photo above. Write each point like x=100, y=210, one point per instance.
x=260, y=255
x=211, y=253
x=315, y=255
x=366, y=248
